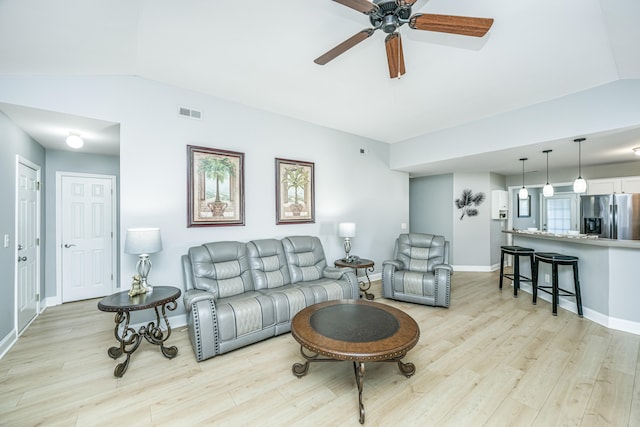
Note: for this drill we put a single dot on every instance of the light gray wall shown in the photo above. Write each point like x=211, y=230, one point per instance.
x=604, y=108
x=14, y=141
x=475, y=241
x=532, y=221
x=568, y=175
x=472, y=234
x=350, y=186
x=431, y=204
x=70, y=161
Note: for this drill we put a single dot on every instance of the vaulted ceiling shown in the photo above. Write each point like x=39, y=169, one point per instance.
x=261, y=54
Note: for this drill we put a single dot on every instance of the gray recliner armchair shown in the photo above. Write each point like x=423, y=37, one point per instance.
x=420, y=271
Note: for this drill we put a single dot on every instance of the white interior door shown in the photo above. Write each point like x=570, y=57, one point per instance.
x=87, y=238
x=27, y=241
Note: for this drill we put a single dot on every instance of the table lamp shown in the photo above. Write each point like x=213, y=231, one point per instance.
x=142, y=242
x=347, y=230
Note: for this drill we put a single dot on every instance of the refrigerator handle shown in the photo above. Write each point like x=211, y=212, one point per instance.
x=611, y=221
x=614, y=221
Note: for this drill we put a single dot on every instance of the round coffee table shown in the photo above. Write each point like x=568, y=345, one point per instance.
x=356, y=330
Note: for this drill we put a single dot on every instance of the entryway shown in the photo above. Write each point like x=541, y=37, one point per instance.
x=27, y=242
x=85, y=237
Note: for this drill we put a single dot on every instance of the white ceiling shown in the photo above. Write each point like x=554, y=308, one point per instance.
x=261, y=54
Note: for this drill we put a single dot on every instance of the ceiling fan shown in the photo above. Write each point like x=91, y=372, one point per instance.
x=389, y=15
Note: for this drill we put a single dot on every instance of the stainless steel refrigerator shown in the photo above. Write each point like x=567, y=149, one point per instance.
x=611, y=216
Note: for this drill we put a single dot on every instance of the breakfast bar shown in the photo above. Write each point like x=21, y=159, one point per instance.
x=608, y=274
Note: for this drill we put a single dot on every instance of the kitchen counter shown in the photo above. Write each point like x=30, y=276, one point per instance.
x=580, y=238
x=608, y=271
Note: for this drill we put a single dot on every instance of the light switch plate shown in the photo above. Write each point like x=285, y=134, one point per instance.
x=6, y=240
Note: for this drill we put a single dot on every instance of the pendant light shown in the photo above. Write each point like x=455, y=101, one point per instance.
x=579, y=185
x=524, y=193
x=547, y=190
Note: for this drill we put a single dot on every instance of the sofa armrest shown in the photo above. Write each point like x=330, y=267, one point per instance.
x=444, y=267
x=335, y=273
x=397, y=264
x=193, y=296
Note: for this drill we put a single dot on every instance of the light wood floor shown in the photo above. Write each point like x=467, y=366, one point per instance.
x=488, y=360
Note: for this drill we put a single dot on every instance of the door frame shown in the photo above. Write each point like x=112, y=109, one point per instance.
x=28, y=163
x=59, y=225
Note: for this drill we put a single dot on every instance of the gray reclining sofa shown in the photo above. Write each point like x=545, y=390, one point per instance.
x=239, y=293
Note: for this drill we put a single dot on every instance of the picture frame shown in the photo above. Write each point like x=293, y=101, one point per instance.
x=215, y=187
x=524, y=207
x=295, y=192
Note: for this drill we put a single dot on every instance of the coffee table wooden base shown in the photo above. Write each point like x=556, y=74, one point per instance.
x=301, y=369
x=357, y=331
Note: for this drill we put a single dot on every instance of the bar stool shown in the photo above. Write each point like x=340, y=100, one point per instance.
x=555, y=290
x=515, y=277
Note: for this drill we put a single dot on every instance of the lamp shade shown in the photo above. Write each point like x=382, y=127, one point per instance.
x=347, y=229
x=547, y=190
x=142, y=241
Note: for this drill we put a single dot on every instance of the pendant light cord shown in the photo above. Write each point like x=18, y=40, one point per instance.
x=579, y=141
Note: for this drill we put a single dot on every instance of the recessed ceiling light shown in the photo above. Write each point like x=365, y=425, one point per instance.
x=74, y=141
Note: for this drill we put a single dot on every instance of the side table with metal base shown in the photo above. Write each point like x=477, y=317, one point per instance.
x=160, y=299
x=366, y=265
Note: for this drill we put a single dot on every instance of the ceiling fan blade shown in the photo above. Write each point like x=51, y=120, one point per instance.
x=395, y=57
x=363, y=6
x=344, y=46
x=463, y=25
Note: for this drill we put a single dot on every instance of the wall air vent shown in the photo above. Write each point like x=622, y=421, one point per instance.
x=190, y=113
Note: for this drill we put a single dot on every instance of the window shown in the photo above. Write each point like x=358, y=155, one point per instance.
x=560, y=213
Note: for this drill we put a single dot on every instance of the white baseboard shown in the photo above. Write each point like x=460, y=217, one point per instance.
x=52, y=301
x=474, y=268
x=594, y=316
x=7, y=342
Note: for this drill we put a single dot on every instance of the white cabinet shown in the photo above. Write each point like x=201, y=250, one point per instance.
x=630, y=184
x=603, y=186
x=499, y=204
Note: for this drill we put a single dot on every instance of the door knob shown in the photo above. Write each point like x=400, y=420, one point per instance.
x=24, y=258
x=67, y=245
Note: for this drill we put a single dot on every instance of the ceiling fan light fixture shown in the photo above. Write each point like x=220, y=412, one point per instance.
x=636, y=151
x=74, y=141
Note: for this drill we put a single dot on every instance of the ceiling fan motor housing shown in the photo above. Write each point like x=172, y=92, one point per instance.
x=389, y=15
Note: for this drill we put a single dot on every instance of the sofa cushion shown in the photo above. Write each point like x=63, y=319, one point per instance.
x=244, y=314
x=221, y=268
x=415, y=283
x=421, y=252
x=305, y=257
x=268, y=264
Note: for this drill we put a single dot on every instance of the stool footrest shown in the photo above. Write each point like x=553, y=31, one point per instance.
x=511, y=276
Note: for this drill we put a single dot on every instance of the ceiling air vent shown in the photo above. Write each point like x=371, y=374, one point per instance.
x=190, y=113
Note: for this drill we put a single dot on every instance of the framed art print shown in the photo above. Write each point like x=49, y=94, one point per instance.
x=295, y=198
x=215, y=187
